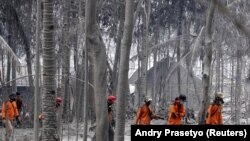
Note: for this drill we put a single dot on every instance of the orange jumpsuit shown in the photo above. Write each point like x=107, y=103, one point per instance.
x=214, y=116
x=144, y=115
x=9, y=112
x=175, y=114
x=9, y=109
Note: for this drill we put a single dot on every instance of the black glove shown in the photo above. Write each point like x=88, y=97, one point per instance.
x=161, y=117
x=173, y=115
x=17, y=119
x=113, y=123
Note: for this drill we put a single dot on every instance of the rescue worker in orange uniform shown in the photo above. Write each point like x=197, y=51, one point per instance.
x=58, y=103
x=214, y=112
x=110, y=101
x=9, y=114
x=177, y=111
x=20, y=106
x=41, y=116
x=144, y=113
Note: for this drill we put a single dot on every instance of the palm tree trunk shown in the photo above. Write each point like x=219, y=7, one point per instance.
x=49, y=131
x=238, y=88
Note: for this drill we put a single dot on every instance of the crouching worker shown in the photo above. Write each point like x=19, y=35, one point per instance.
x=58, y=103
x=41, y=116
x=214, y=112
x=144, y=113
x=177, y=111
x=9, y=114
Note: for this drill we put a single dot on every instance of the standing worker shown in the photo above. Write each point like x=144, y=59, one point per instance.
x=19, y=104
x=177, y=111
x=144, y=114
x=214, y=112
x=9, y=114
x=110, y=102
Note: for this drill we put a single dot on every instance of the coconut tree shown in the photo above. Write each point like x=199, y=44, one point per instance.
x=49, y=132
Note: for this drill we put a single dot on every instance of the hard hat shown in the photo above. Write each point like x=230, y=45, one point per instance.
x=219, y=94
x=58, y=100
x=148, y=99
x=111, y=98
x=12, y=96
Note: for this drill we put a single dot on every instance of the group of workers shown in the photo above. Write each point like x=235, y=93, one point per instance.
x=11, y=110
x=177, y=112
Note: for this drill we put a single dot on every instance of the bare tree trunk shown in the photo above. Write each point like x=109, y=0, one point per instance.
x=91, y=98
x=79, y=68
x=144, y=61
x=86, y=87
x=118, y=50
x=8, y=72
x=138, y=8
x=179, y=33
x=207, y=63
x=14, y=87
x=123, y=71
x=11, y=64
x=98, y=53
x=86, y=93
x=187, y=45
x=65, y=89
x=11, y=43
x=79, y=97
x=138, y=82
x=248, y=95
x=49, y=123
x=232, y=92
x=37, y=75
x=66, y=61
x=238, y=89
x=218, y=66
x=222, y=72
x=155, y=65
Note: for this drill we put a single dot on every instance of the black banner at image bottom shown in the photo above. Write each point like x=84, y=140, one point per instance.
x=190, y=132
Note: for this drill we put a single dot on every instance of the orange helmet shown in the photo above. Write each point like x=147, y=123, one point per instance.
x=58, y=100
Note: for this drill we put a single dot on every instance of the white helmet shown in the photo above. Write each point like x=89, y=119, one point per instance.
x=148, y=99
x=219, y=94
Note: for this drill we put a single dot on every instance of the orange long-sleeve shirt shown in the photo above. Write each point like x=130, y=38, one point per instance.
x=9, y=109
x=175, y=114
x=214, y=116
